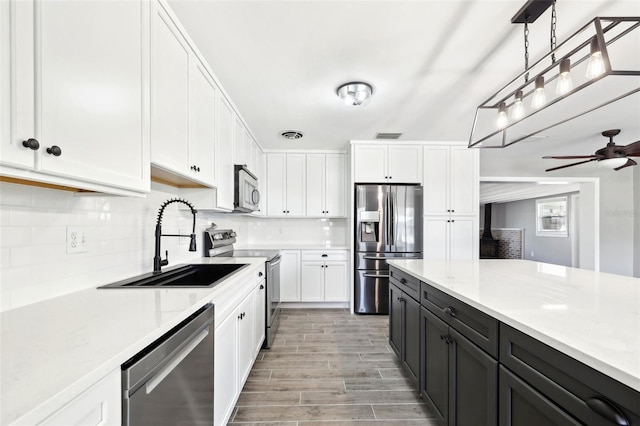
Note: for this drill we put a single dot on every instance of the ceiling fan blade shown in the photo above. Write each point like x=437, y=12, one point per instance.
x=629, y=163
x=569, y=165
x=632, y=148
x=571, y=157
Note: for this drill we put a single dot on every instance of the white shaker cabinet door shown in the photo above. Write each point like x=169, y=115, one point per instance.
x=436, y=237
x=312, y=282
x=225, y=367
x=80, y=89
x=290, y=276
x=463, y=238
x=224, y=153
x=260, y=317
x=245, y=315
x=370, y=163
x=335, y=282
x=169, y=93
x=436, y=180
x=463, y=178
x=296, y=166
x=276, y=184
x=202, y=131
x=404, y=163
x=315, y=185
x=335, y=185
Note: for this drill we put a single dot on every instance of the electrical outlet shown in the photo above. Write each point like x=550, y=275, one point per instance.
x=532, y=255
x=76, y=240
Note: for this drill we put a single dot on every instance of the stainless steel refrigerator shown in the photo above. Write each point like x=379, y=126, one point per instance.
x=388, y=224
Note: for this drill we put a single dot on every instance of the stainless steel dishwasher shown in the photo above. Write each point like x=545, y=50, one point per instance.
x=171, y=381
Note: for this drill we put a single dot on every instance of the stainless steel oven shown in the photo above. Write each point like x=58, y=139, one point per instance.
x=246, y=194
x=273, y=299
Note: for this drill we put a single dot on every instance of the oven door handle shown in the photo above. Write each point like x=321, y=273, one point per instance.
x=387, y=258
x=276, y=263
x=375, y=276
x=177, y=359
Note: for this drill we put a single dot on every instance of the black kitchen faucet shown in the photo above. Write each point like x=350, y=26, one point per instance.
x=158, y=262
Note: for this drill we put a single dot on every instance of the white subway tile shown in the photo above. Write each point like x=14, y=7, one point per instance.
x=15, y=236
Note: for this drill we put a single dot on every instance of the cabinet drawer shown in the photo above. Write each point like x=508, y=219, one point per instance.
x=476, y=326
x=321, y=255
x=410, y=285
x=569, y=383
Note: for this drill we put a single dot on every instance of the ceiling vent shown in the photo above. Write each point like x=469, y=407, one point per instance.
x=388, y=136
x=291, y=134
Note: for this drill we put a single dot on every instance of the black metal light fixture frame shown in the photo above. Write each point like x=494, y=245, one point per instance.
x=620, y=52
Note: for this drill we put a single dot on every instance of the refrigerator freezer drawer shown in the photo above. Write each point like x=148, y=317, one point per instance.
x=373, y=260
x=372, y=292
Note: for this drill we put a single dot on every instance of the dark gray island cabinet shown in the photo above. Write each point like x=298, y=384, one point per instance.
x=476, y=370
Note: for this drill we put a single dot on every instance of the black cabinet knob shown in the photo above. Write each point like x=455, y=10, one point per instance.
x=608, y=411
x=450, y=311
x=403, y=280
x=31, y=144
x=260, y=274
x=55, y=150
x=261, y=287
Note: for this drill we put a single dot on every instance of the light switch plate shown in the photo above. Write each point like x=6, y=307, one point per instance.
x=76, y=240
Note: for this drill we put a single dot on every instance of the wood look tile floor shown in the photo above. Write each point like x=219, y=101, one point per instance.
x=330, y=368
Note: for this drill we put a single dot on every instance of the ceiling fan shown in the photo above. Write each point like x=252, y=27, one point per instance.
x=612, y=154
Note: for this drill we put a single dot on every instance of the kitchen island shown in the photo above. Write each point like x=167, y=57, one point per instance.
x=55, y=350
x=522, y=315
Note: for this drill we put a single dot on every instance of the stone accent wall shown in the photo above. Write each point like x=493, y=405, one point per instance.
x=511, y=244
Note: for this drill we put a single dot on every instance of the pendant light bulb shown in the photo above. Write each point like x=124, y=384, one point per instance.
x=595, y=66
x=539, y=97
x=502, y=120
x=517, y=111
x=565, y=84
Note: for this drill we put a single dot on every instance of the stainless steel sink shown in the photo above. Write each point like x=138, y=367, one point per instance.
x=200, y=275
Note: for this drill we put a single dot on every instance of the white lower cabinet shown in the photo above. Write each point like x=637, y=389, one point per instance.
x=451, y=237
x=324, y=276
x=98, y=405
x=236, y=339
x=290, y=276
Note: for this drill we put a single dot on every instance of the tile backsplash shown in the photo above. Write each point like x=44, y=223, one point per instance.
x=34, y=264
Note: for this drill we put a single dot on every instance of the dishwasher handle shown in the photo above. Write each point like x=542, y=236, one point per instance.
x=177, y=359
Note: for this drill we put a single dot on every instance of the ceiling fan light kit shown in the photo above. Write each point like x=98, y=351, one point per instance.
x=355, y=93
x=598, y=65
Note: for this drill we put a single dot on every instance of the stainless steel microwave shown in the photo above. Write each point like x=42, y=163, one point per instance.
x=246, y=193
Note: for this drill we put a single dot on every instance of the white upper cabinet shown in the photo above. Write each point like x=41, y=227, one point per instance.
x=183, y=99
x=326, y=185
x=451, y=237
x=451, y=182
x=202, y=131
x=388, y=163
x=225, y=119
x=286, y=184
x=169, y=93
x=80, y=83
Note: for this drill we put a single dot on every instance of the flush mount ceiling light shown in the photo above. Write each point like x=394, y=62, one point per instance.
x=598, y=65
x=291, y=134
x=355, y=93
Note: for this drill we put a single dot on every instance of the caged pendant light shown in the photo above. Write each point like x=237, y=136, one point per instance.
x=598, y=65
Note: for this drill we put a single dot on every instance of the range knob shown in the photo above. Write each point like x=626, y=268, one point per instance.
x=217, y=237
x=232, y=234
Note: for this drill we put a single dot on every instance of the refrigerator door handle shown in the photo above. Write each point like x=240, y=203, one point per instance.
x=387, y=216
x=375, y=276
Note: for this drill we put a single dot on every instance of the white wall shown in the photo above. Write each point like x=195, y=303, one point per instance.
x=34, y=265
x=636, y=225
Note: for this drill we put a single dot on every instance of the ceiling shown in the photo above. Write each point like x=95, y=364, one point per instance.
x=430, y=64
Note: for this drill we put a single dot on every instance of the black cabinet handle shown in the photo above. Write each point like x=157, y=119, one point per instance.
x=450, y=311
x=446, y=339
x=403, y=280
x=325, y=255
x=55, y=151
x=31, y=144
x=607, y=410
x=261, y=287
x=195, y=168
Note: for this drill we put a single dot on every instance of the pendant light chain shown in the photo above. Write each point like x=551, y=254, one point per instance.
x=554, y=21
x=526, y=52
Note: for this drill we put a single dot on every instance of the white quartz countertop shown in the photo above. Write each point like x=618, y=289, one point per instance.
x=590, y=316
x=53, y=350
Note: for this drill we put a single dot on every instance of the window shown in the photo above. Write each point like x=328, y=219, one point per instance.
x=551, y=217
